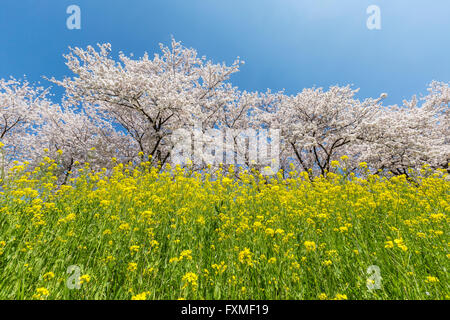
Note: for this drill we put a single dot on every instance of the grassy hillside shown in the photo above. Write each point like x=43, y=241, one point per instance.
x=138, y=233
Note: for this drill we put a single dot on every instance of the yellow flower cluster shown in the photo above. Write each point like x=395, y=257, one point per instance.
x=222, y=234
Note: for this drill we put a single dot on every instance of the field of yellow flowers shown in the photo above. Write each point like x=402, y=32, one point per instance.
x=140, y=233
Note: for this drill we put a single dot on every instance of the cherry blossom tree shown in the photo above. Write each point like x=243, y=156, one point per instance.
x=31, y=127
x=22, y=113
x=409, y=136
x=150, y=98
x=133, y=109
x=72, y=136
x=438, y=100
x=319, y=126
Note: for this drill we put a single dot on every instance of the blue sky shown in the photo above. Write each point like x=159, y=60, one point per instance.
x=290, y=44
